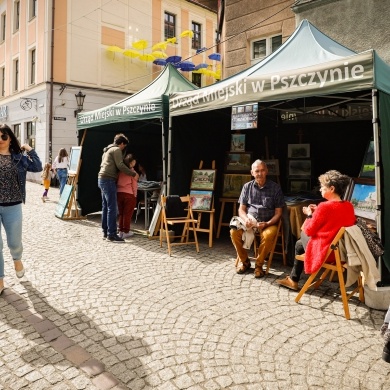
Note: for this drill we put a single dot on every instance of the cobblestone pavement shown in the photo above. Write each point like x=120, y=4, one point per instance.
x=90, y=314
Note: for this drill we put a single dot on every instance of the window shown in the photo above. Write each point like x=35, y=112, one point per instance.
x=2, y=81
x=197, y=38
x=32, y=9
x=264, y=47
x=31, y=131
x=16, y=75
x=197, y=79
x=16, y=130
x=32, y=66
x=3, y=25
x=16, y=15
x=169, y=25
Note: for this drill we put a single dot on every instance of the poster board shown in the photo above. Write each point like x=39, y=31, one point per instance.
x=64, y=200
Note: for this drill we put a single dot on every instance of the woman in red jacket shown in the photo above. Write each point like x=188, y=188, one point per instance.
x=322, y=224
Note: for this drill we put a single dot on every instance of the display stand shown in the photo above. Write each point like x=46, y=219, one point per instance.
x=211, y=213
x=223, y=202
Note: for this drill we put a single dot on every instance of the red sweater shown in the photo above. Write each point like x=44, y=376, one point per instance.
x=327, y=220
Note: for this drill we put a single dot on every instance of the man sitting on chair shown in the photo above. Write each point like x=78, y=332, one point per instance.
x=323, y=223
x=262, y=199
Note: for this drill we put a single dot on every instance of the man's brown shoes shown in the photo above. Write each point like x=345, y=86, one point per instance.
x=259, y=273
x=288, y=282
x=245, y=266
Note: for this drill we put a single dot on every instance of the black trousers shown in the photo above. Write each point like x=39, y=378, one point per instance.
x=300, y=248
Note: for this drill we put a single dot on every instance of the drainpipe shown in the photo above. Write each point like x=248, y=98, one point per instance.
x=51, y=84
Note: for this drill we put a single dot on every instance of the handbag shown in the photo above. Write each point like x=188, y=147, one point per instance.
x=374, y=243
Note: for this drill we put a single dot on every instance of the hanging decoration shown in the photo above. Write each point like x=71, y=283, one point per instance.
x=187, y=33
x=159, y=54
x=160, y=46
x=140, y=45
x=215, y=56
x=160, y=61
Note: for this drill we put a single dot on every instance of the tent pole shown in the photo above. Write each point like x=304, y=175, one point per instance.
x=375, y=126
x=169, y=156
x=163, y=149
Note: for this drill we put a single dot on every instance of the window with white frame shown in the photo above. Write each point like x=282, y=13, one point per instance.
x=31, y=132
x=16, y=15
x=3, y=26
x=16, y=131
x=32, y=66
x=197, y=79
x=16, y=75
x=32, y=9
x=169, y=25
x=2, y=81
x=261, y=48
x=197, y=37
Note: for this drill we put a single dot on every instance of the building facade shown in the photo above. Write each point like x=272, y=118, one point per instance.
x=52, y=50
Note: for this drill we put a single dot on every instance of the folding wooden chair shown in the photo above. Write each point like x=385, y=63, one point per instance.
x=336, y=267
x=187, y=221
x=279, y=236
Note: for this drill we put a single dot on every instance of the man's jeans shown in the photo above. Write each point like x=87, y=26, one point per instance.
x=109, y=206
x=11, y=219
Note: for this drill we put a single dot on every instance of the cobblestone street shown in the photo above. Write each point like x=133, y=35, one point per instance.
x=90, y=314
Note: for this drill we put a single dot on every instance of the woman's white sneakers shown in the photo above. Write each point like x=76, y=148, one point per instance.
x=20, y=273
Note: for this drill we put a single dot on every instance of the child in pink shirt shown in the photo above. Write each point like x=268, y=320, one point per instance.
x=127, y=198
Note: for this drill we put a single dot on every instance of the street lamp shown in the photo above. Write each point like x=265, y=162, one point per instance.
x=80, y=101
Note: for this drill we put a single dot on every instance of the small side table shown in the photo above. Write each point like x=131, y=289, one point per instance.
x=223, y=202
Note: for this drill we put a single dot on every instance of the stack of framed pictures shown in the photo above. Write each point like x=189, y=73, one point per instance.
x=237, y=167
x=299, y=168
x=201, y=189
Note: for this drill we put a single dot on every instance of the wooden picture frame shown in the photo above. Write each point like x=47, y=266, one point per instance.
x=273, y=167
x=363, y=197
x=64, y=201
x=367, y=171
x=299, y=168
x=232, y=184
x=238, y=162
x=203, y=179
x=299, y=185
x=237, y=143
x=74, y=160
x=201, y=200
x=298, y=151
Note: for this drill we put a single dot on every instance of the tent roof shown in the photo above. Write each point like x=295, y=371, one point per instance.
x=144, y=104
x=308, y=63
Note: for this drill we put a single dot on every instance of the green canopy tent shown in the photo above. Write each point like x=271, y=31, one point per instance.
x=143, y=117
x=309, y=69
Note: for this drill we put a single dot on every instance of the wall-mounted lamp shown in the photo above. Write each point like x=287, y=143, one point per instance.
x=80, y=102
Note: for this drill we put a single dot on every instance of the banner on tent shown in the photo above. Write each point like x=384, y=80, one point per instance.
x=349, y=74
x=350, y=112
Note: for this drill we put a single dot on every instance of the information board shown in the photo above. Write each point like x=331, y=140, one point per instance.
x=64, y=200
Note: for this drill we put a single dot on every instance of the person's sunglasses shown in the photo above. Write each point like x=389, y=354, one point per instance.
x=4, y=137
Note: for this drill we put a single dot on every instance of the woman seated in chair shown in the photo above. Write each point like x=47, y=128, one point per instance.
x=322, y=224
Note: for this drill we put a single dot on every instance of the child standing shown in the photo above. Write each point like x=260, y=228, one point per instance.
x=46, y=179
x=127, y=198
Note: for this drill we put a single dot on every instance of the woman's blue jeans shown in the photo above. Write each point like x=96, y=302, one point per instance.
x=62, y=175
x=109, y=205
x=11, y=218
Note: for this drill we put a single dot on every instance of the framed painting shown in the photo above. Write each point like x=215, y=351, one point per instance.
x=237, y=143
x=74, y=160
x=298, y=151
x=367, y=170
x=299, y=168
x=64, y=200
x=232, y=184
x=238, y=162
x=273, y=167
x=203, y=179
x=201, y=200
x=363, y=198
x=298, y=185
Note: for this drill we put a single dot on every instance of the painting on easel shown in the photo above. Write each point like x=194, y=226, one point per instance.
x=64, y=201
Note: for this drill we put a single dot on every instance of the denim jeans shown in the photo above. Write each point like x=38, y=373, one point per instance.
x=109, y=205
x=11, y=219
x=62, y=175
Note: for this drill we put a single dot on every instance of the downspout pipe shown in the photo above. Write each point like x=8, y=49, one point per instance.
x=51, y=83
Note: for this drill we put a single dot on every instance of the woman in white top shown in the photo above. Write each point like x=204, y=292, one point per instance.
x=60, y=167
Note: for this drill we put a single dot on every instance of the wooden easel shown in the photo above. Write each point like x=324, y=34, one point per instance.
x=72, y=204
x=211, y=228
